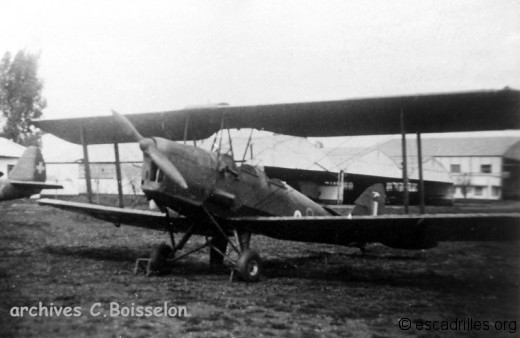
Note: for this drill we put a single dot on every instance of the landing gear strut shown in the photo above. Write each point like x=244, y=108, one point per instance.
x=248, y=264
x=218, y=245
x=158, y=259
x=243, y=260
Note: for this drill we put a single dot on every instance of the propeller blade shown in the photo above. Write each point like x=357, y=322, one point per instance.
x=149, y=147
x=127, y=127
x=166, y=166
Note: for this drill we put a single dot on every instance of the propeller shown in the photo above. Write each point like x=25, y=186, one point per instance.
x=149, y=147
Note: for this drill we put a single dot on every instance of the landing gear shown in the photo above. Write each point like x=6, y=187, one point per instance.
x=249, y=265
x=240, y=258
x=158, y=259
x=218, y=246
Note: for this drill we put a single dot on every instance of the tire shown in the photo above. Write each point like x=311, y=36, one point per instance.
x=249, y=265
x=158, y=258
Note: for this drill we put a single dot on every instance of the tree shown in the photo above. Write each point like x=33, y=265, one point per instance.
x=20, y=97
x=464, y=181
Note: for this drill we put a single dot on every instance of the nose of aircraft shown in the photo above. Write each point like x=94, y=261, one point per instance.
x=149, y=147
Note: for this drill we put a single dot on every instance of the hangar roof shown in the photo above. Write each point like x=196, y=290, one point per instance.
x=269, y=150
x=10, y=149
x=373, y=162
x=461, y=147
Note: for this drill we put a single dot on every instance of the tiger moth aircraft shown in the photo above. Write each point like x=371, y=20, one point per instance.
x=212, y=194
x=27, y=177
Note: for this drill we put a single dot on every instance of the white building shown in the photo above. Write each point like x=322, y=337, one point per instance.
x=10, y=152
x=65, y=166
x=480, y=168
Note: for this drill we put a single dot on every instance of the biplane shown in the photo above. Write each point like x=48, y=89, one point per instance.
x=213, y=194
x=27, y=177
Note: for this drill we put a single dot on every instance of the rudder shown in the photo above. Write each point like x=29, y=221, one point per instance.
x=30, y=166
x=371, y=202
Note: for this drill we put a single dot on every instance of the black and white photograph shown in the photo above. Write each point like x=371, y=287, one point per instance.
x=259, y=168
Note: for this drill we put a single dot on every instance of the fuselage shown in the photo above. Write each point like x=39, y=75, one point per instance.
x=10, y=192
x=215, y=182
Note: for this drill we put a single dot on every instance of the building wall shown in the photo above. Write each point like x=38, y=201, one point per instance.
x=5, y=162
x=329, y=193
x=65, y=174
x=475, y=177
x=511, y=179
x=72, y=177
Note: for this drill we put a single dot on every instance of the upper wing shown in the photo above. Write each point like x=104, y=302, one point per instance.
x=401, y=231
x=35, y=185
x=133, y=217
x=469, y=111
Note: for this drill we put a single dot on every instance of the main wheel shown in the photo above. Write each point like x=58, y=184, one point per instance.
x=249, y=265
x=158, y=258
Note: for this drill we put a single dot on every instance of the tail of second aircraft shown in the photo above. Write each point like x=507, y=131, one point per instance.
x=27, y=178
x=371, y=202
x=30, y=171
x=30, y=167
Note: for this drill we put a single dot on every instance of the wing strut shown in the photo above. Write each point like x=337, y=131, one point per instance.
x=405, y=166
x=118, y=176
x=86, y=164
x=420, y=169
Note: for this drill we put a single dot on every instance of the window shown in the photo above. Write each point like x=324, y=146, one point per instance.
x=455, y=168
x=98, y=171
x=399, y=186
x=153, y=171
x=479, y=191
x=160, y=175
x=249, y=169
x=277, y=182
x=485, y=168
x=495, y=191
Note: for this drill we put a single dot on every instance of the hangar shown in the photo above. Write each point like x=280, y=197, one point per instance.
x=367, y=166
x=9, y=154
x=293, y=159
x=315, y=171
x=479, y=167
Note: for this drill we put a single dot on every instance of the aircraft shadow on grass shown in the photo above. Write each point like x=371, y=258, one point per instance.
x=310, y=268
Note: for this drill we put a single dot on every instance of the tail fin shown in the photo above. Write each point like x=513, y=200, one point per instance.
x=371, y=202
x=30, y=167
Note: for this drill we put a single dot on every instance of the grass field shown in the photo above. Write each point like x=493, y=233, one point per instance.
x=307, y=290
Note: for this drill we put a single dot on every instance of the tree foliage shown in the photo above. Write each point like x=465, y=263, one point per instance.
x=20, y=96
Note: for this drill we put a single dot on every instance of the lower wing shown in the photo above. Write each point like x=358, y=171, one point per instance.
x=139, y=218
x=399, y=231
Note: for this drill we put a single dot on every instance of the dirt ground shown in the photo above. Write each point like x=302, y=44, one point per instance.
x=308, y=290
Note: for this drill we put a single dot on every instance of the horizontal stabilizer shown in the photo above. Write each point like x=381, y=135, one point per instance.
x=35, y=185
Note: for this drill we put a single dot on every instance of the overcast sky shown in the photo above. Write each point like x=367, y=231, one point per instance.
x=139, y=56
